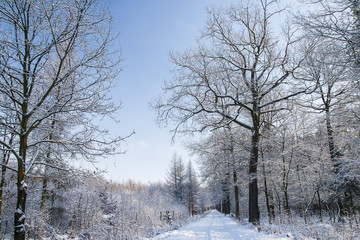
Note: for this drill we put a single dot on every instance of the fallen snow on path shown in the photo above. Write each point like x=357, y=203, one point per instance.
x=215, y=226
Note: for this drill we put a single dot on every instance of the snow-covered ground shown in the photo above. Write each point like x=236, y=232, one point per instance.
x=215, y=226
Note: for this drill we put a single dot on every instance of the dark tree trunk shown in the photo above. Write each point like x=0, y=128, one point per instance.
x=269, y=205
x=320, y=205
x=286, y=203
x=285, y=183
x=2, y=184
x=236, y=192
x=235, y=178
x=19, y=216
x=333, y=152
x=226, y=204
x=5, y=161
x=44, y=193
x=254, y=214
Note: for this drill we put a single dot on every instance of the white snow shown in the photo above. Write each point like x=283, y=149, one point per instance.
x=19, y=211
x=23, y=185
x=216, y=226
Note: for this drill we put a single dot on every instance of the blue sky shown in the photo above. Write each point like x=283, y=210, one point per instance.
x=149, y=29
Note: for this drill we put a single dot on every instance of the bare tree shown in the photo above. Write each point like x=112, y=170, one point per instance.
x=55, y=64
x=333, y=89
x=221, y=156
x=334, y=67
x=338, y=22
x=228, y=78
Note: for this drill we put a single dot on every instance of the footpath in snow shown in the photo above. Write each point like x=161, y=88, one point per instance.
x=215, y=226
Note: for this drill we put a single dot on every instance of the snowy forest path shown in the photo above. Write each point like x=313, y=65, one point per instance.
x=215, y=226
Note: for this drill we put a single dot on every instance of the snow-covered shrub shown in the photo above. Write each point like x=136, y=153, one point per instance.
x=314, y=229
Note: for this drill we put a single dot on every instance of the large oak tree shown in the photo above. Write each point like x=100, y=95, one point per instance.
x=229, y=78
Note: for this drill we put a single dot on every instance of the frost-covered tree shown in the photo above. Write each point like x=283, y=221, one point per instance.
x=221, y=157
x=176, y=178
x=333, y=90
x=55, y=62
x=228, y=78
x=337, y=21
x=192, y=189
x=333, y=66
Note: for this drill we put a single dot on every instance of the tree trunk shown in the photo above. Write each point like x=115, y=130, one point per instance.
x=285, y=190
x=2, y=184
x=45, y=179
x=6, y=157
x=333, y=152
x=43, y=196
x=269, y=205
x=236, y=187
x=19, y=216
x=285, y=177
x=320, y=206
x=225, y=205
x=236, y=192
x=286, y=203
x=278, y=204
x=44, y=193
x=45, y=184
x=254, y=214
